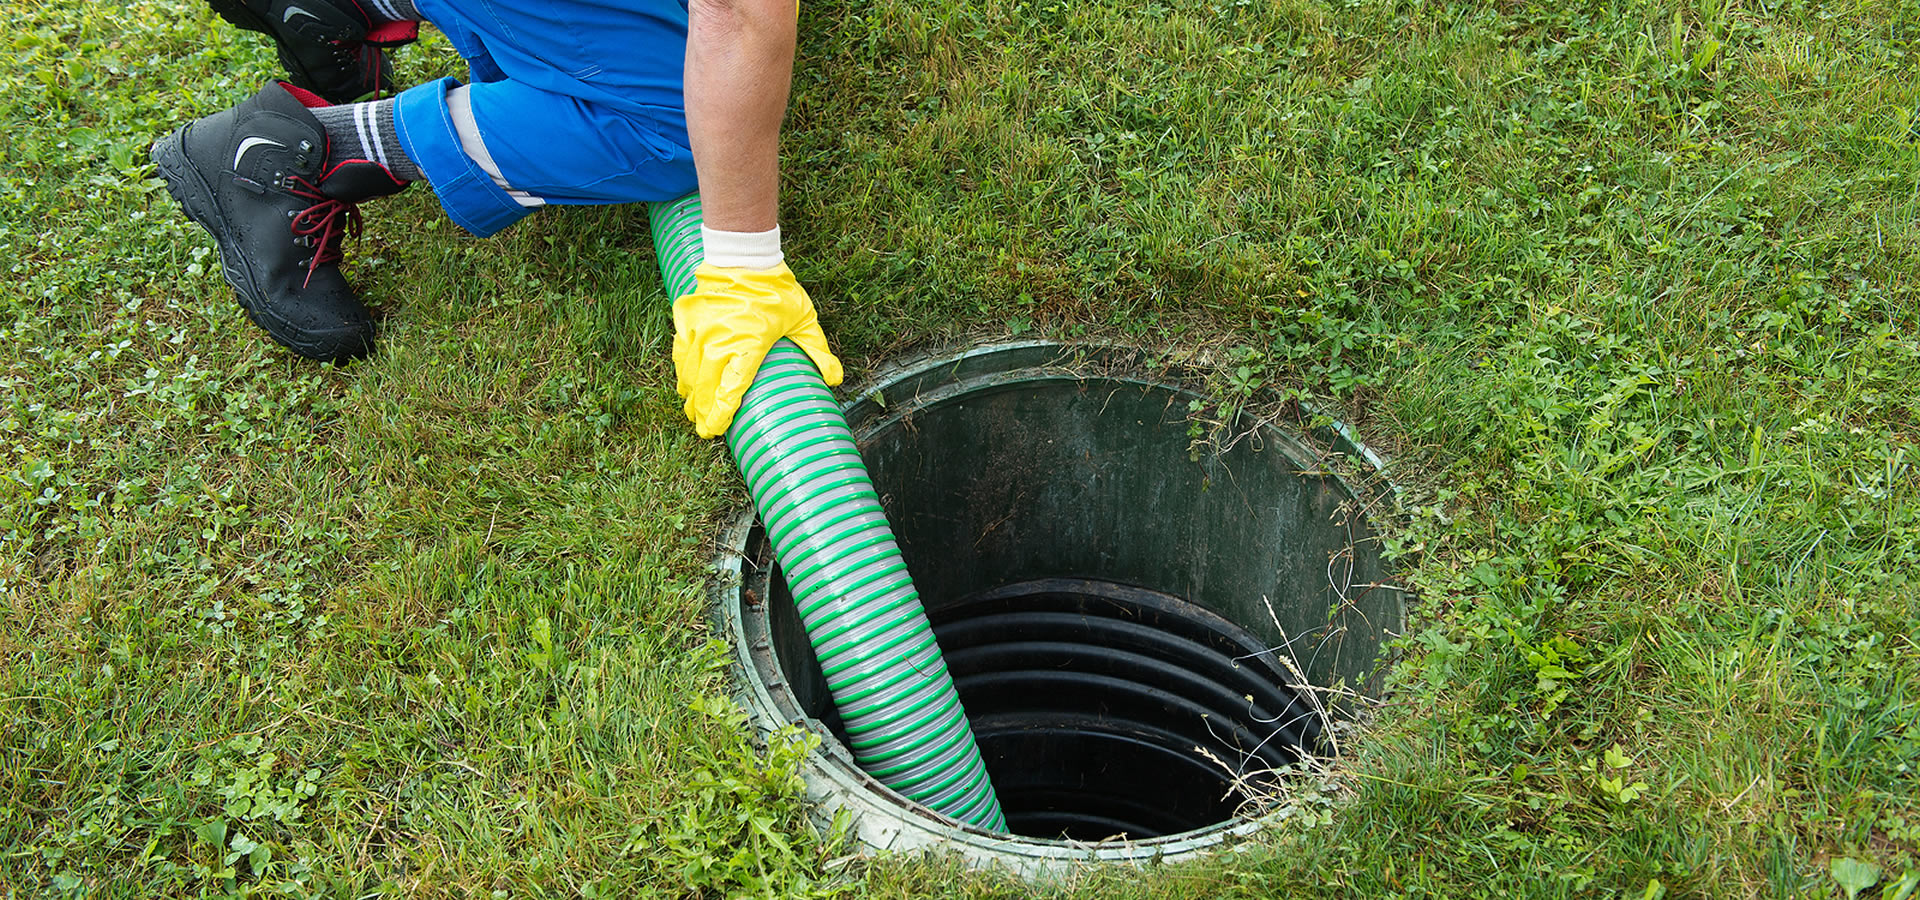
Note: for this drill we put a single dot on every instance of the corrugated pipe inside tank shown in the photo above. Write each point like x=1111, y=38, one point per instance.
x=856, y=601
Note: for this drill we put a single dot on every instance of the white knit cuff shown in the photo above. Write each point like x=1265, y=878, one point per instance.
x=742, y=249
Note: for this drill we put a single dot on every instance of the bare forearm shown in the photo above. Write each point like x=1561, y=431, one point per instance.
x=739, y=70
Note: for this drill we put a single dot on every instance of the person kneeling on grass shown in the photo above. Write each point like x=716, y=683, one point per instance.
x=570, y=101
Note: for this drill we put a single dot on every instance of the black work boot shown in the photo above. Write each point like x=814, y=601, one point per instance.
x=255, y=177
x=324, y=44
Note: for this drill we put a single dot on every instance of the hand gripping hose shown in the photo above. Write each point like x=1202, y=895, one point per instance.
x=856, y=600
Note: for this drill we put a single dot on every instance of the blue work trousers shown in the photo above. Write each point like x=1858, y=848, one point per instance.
x=577, y=101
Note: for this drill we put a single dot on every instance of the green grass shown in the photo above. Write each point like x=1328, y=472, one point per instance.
x=1627, y=290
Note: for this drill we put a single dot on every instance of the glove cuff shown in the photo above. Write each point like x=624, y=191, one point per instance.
x=742, y=249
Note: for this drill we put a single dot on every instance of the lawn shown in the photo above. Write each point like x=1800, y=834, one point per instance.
x=1625, y=291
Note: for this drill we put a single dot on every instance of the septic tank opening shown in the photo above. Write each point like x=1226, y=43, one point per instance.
x=1142, y=634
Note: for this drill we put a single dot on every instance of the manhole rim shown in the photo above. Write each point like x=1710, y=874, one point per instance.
x=881, y=818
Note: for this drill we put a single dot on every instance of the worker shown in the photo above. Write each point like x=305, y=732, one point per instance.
x=567, y=102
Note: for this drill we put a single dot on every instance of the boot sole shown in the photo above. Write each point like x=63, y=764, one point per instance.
x=195, y=196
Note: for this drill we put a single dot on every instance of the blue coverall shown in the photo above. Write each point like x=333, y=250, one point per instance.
x=577, y=102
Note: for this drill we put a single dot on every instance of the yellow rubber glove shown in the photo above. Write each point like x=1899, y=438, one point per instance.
x=723, y=330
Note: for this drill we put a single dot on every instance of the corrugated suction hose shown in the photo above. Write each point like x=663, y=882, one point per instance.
x=903, y=717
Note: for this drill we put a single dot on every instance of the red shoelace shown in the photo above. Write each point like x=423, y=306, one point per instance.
x=322, y=224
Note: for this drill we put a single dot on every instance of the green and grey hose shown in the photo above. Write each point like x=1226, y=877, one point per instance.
x=903, y=718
